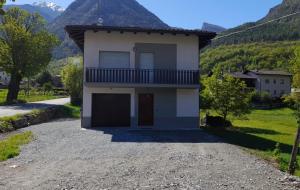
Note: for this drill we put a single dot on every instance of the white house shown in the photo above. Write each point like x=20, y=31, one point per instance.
x=140, y=77
x=276, y=83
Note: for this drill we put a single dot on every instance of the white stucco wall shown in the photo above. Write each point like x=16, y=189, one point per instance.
x=187, y=58
x=187, y=46
x=187, y=103
x=87, y=97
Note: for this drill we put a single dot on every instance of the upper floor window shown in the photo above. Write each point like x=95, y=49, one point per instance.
x=267, y=81
x=274, y=81
x=114, y=59
x=275, y=92
x=281, y=81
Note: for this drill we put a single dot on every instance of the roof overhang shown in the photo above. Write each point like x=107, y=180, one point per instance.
x=76, y=32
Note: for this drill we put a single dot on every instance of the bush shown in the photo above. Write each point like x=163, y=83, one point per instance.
x=72, y=78
x=43, y=78
x=217, y=121
x=47, y=87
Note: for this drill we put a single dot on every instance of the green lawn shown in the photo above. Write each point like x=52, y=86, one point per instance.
x=10, y=147
x=34, y=96
x=261, y=130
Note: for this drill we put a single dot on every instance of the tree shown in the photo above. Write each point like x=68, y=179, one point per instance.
x=2, y=2
x=72, y=77
x=227, y=95
x=296, y=98
x=44, y=77
x=25, y=47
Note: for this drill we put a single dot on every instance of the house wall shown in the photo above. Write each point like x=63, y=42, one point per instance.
x=173, y=108
x=271, y=87
x=187, y=46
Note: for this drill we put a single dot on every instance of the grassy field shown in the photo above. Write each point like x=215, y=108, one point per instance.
x=10, y=147
x=33, y=97
x=260, y=131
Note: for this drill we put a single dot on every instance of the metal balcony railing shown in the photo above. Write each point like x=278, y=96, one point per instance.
x=141, y=76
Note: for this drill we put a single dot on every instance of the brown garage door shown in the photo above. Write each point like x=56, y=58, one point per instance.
x=111, y=110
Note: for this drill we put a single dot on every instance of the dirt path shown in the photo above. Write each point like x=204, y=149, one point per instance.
x=65, y=157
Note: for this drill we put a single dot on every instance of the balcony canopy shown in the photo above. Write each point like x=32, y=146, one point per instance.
x=76, y=32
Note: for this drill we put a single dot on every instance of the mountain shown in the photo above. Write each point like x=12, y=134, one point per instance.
x=112, y=12
x=287, y=28
x=48, y=10
x=212, y=28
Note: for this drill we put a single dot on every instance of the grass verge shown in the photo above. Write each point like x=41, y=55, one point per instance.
x=34, y=96
x=70, y=111
x=260, y=132
x=10, y=147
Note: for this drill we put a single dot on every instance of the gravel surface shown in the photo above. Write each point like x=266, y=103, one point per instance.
x=63, y=156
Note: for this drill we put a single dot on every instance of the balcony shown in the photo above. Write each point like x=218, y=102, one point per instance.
x=142, y=78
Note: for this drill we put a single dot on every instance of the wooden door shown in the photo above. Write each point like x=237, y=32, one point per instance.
x=146, y=110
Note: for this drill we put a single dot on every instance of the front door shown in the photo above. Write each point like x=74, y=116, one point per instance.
x=146, y=110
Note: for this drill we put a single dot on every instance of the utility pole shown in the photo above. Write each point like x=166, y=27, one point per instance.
x=293, y=161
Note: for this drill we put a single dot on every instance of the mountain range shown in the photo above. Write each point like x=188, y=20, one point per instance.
x=48, y=10
x=213, y=28
x=269, y=28
x=131, y=13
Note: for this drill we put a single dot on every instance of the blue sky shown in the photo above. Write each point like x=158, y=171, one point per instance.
x=192, y=13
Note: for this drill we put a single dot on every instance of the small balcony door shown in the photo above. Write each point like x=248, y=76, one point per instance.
x=147, y=63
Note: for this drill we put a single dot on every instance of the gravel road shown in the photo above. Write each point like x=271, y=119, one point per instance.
x=63, y=156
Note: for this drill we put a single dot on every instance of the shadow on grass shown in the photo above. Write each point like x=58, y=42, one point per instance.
x=258, y=131
x=243, y=139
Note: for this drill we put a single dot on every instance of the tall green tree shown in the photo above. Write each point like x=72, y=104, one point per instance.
x=226, y=95
x=25, y=47
x=296, y=97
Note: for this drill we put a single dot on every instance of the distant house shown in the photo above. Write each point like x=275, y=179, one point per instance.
x=4, y=79
x=276, y=83
x=140, y=77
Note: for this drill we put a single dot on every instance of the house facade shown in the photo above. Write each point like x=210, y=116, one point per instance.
x=275, y=83
x=140, y=78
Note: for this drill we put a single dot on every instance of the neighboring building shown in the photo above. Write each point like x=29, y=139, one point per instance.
x=138, y=77
x=276, y=83
x=4, y=79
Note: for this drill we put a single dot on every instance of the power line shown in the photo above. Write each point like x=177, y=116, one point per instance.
x=256, y=26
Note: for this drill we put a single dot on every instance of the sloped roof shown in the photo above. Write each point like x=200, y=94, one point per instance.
x=270, y=72
x=242, y=75
x=76, y=32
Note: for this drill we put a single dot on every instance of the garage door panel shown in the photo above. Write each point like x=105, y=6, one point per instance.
x=111, y=110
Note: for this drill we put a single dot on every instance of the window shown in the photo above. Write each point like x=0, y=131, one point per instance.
x=275, y=92
x=110, y=59
x=282, y=92
x=274, y=81
x=281, y=81
x=267, y=81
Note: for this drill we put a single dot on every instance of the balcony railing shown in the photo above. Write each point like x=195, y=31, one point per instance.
x=140, y=76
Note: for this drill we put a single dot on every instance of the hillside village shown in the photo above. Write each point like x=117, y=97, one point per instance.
x=94, y=92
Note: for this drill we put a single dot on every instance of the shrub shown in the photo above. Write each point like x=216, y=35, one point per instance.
x=72, y=78
x=47, y=87
x=43, y=78
x=217, y=121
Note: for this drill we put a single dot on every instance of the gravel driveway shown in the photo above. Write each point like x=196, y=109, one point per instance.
x=65, y=157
